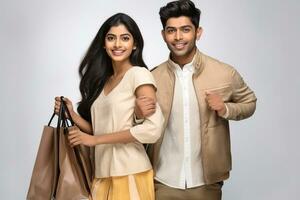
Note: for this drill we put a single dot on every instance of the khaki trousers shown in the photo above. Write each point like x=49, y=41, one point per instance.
x=205, y=192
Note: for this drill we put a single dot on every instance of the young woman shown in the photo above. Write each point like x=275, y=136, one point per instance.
x=113, y=74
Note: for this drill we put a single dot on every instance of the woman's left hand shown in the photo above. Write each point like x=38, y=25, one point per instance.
x=76, y=137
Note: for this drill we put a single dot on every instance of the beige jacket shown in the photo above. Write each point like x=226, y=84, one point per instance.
x=210, y=75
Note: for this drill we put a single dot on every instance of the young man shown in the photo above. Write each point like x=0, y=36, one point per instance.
x=198, y=95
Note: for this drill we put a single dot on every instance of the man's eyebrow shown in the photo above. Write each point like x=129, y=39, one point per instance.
x=173, y=27
x=186, y=26
x=170, y=27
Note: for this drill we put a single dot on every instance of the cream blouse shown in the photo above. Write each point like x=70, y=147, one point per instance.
x=114, y=112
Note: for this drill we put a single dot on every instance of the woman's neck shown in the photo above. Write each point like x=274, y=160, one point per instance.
x=120, y=68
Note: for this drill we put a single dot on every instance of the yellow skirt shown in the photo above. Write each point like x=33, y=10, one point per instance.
x=131, y=187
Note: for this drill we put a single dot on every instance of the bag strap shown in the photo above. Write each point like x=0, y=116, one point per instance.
x=76, y=148
x=66, y=110
x=49, y=123
x=60, y=116
x=60, y=122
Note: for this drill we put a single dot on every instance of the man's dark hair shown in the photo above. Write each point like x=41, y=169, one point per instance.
x=180, y=8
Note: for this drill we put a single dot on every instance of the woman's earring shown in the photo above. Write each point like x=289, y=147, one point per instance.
x=134, y=48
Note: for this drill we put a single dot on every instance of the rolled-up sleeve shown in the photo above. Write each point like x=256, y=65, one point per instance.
x=151, y=129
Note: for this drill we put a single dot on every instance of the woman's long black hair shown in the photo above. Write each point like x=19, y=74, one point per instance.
x=96, y=66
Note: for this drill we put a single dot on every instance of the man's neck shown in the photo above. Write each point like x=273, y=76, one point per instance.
x=185, y=59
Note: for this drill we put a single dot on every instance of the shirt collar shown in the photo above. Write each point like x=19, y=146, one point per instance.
x=187, y=67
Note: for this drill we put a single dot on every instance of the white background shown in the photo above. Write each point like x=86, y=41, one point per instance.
x=42, y=43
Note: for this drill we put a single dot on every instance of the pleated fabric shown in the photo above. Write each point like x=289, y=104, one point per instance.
x=138, y=186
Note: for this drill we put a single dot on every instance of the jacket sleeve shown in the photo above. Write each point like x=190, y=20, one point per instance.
x=243, y=101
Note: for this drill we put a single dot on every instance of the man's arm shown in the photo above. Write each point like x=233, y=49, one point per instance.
x=144, y=107
x=243, y=102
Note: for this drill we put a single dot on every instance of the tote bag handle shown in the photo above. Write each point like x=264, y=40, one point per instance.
x=76, y=148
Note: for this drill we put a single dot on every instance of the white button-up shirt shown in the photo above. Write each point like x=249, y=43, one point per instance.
x=179, y=164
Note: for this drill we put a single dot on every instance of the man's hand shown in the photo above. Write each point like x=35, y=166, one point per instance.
x=216, y=103
x=144, y=107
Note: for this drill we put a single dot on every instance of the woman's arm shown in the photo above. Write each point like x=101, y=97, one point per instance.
x=78, y=137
